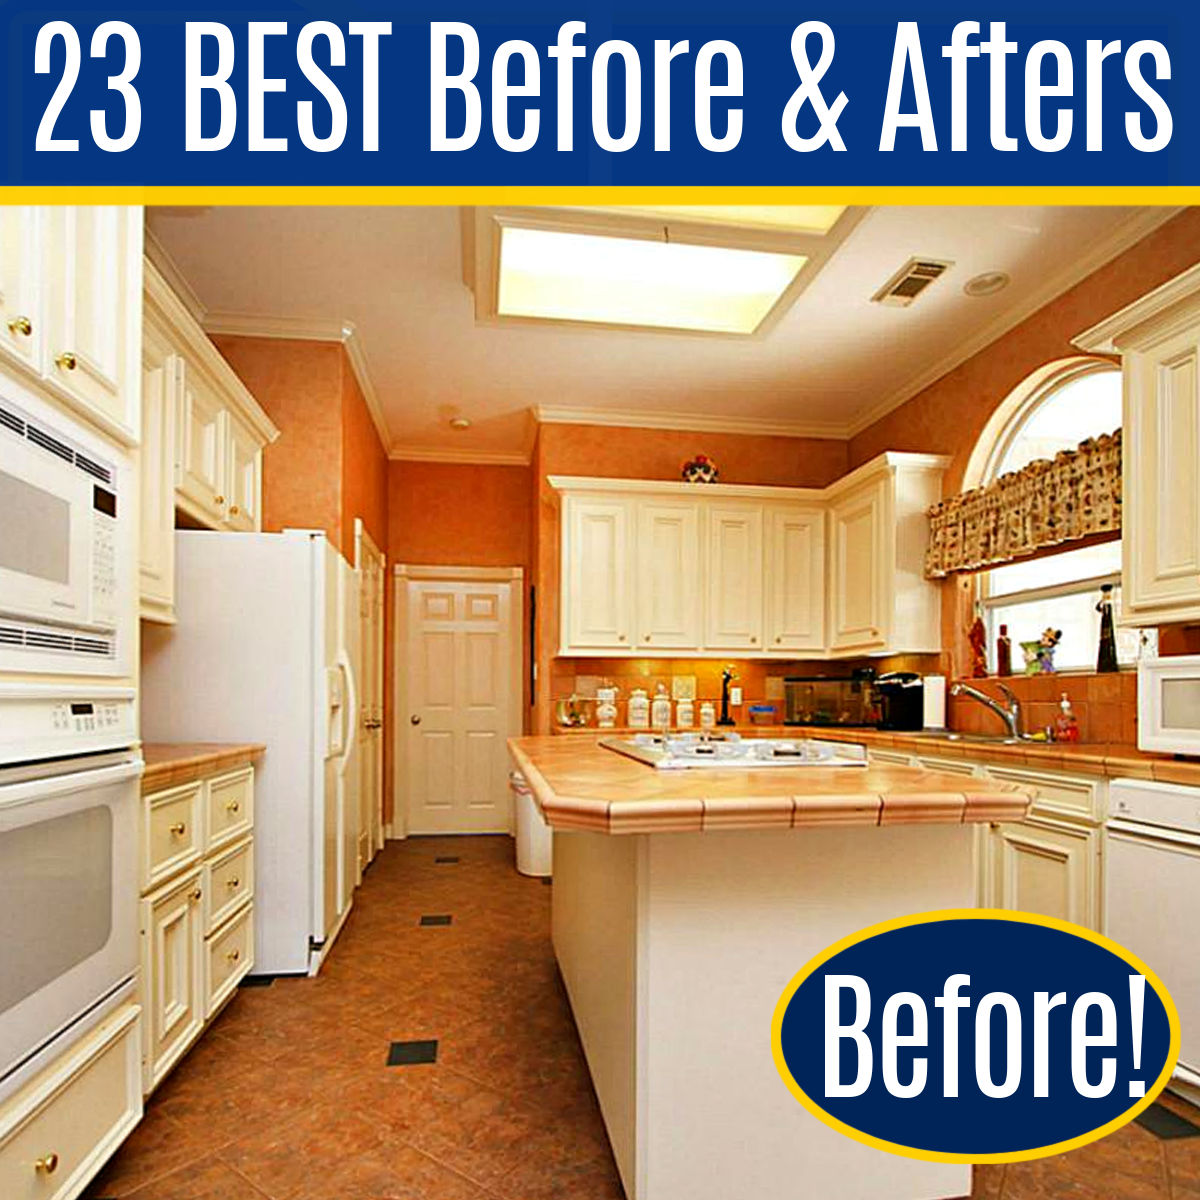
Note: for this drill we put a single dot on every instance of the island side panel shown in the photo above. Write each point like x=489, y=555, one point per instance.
x=729, y=919
x=595, y=929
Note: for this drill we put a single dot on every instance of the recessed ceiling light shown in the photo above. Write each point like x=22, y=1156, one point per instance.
x=987, y=284
x=459, y=423
x=613, y=280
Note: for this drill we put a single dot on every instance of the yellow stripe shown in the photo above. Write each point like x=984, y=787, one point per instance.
x=1163, y=196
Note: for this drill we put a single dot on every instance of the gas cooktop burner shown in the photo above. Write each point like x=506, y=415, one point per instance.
x=680, y=751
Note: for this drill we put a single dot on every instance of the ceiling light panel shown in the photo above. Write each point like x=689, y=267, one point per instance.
x=611, y=280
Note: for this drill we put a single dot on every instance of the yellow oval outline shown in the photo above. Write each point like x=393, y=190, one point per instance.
x=974, y=914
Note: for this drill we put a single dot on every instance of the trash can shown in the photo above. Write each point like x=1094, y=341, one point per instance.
x=534, y=836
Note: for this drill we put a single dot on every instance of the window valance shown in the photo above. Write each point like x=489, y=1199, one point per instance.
x=1044, y=504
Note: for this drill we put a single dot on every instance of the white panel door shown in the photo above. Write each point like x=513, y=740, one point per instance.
x=1162, y=484
x=1047, y=867
x=460, y=705
x=670, y=606
x=349, y=776
x=371, y=569
x=795, y=576
x=858, y=555
x=597, y=602
x=202, y=448
x=243, y=482
x=734, y=618
x=22, y=286
x=162, y=383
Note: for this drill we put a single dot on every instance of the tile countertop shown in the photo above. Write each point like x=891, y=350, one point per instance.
x=580, y=785
x=1112, y=759
x=171, y=764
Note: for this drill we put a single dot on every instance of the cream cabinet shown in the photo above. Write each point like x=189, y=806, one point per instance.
x=879, y=599
x=71, y=280
x=197, y=909
x=1158, y=338
x=58, y=1130
x=757, y=572
x=203, y=436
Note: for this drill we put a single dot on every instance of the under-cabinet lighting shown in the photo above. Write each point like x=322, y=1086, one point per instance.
x=612, y=280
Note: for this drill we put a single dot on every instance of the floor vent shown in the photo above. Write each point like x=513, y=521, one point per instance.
x=911, y=281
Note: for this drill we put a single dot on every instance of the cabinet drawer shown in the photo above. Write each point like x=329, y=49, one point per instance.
x=229, y=955
x=1059, y=795
x=58, y=1132
x=893, y=758
x=948, y=766
x=230, y=807
x=228, y=883
x=172, y=838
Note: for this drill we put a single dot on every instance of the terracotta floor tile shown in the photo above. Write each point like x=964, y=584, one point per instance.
x=208, y=1179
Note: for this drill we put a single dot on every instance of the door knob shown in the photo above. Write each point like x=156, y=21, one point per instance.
x=415, y=720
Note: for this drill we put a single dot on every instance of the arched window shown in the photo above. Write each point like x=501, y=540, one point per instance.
x=1059, y=591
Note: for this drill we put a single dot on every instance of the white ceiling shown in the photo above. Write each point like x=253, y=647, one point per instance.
x=831, y=365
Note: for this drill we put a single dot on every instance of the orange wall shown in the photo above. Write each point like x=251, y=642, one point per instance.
x=364, y=468
x=299, y=387
x=948, y=416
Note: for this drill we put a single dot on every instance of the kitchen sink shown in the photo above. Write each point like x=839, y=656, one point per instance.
x=993, y=739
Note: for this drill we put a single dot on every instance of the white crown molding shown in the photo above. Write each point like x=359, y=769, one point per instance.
x=451, y=454
x=305, y=329
x=685, y=422
x=1106, y=336
x=175, y=279
x=1131, y=231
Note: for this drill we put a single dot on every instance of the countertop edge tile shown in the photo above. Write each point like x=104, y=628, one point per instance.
x=174, y=764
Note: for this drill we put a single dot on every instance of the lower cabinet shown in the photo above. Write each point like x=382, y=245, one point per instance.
x=198, y=925
x=59, y=1130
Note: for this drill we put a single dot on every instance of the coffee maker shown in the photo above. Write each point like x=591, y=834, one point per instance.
x=901, y=696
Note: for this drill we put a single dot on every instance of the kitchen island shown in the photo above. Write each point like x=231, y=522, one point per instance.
x=685, y=900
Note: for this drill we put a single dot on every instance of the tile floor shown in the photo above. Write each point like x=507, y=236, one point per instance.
x=289, y=1097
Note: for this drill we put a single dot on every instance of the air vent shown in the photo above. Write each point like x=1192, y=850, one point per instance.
x=12, y=418
x=61, y=641
x=911, y=281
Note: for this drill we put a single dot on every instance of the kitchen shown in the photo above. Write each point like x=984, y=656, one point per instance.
x=488, y=538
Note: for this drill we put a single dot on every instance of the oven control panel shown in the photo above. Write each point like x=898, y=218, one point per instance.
x=38, y=723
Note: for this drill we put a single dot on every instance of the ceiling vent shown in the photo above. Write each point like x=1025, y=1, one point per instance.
x=910, y=281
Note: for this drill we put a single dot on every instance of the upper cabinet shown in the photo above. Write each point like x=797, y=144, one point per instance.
x=70, y=301
x=1158, y=338
x=203, y=435
x=756, y=572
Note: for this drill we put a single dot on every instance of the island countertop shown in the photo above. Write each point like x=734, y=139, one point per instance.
x=579, y=785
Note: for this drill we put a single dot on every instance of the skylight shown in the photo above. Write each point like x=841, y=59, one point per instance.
x=630, y=281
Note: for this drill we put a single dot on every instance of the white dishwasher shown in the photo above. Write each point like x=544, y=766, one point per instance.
x=1152, y=895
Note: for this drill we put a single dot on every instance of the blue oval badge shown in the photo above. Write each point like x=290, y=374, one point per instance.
x=975, y=1036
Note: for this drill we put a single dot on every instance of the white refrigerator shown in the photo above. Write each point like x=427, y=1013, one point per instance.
x=264, y=650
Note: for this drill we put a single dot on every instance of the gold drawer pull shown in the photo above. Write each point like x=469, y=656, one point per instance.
x=219, y=500
x=234, y=510
x=197, y=895
x=178, y=829
x=233, y=806
x=233, y=955
x=47, y=1165
x=67, y=361
x=21, y=325
x=233, y=883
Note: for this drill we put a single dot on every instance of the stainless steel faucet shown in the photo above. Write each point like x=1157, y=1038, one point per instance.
x=1010, y=713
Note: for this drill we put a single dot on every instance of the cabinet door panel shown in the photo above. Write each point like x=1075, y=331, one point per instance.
x=1162, y=486
x=162, y=382
x=243, y=478
x=597, y=600
x=202, y=450
x=859, y=552
x=735, y=570
x=1046, y=867
x=668, y=558
x=795, y=574
x=22, y=286
x=95, y=253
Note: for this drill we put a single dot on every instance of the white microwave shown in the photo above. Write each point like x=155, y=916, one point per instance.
x=62, y=551
x=1169, y=704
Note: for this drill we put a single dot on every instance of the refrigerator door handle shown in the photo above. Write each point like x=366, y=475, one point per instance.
x=349, y=711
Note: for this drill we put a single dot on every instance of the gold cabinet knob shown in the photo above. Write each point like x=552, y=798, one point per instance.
x=233, y=884
x=178, y=829
x=46, y=1165
x=620, y=637
x=21, y=325
x=197, y=895
x=234, y=510
x=233, y=955
x=220, y=500
x=754, y=641
x=779, y=639
x=66, y=361
x=233, y=806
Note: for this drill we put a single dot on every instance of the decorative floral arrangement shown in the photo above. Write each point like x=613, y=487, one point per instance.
x=1039, y=654
x=1049, y=502
x=700, y=469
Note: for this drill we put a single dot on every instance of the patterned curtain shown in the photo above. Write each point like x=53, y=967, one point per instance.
x=1044, y=504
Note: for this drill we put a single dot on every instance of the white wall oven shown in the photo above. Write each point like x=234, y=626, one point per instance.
x=69, y=787
x=1169, y=704
x=64, y=533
